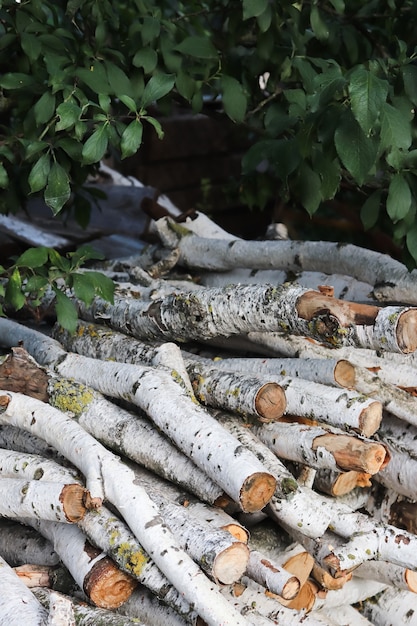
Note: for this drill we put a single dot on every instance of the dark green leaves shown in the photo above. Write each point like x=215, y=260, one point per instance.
x=58, y=189
x=198, y=47
x=131, y=138
x=234, y=99
x=367, y=93
x=95, y=147
x=356, y=151
x=38, y=176
x=399, y=198
x=156, y=88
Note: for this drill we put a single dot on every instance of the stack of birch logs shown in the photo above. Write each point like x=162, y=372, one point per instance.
x=233, y=441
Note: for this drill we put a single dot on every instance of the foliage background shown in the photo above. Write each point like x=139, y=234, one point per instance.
x=324, y=90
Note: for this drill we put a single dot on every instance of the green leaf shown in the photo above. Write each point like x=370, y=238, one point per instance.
x=33, y=257
x=150, y=29
x=36, y=285
x=399, y=198
x=69, y=113
x=156, y=124
x=146, y=58
x=185, y=85
x=118, y=80
x=131, y=139
x=308, y=188
x=253, y=8
x=370, y=210
x=95, y=78
x=129, y=103
x=367, y=95
x=264, y=20
x=156, y=88
x=234, y=99
x=198, y=47
x=31, y=45
x=66, y=312
x=103, y=285
x=15, y=80
x=13, y=294
x=356, y=151
x=395, y=129
x=59, y=261
x=4, y=178
x=329, y=172
x=95, y=147
x=58, y=190
x=411, y=241
x=33, y=147
x=84, y=253
x=44, y=108
x=318, y=25
x=410, y=82
x=84, y=288
x=38, y=176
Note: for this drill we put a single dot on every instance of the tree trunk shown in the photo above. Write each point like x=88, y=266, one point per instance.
x=17, y=603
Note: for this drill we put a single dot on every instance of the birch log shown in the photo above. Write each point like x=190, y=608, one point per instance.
x=392, y=575
x=44, y=500
x=206, y=313
x=17, y=603
x=86, y=615
x=391, y=279
x=335, y=372
x=271, y=576
x=319, y=448
x=208, y=445
x=335, y=483
x=133, y=503
x=298, y=506
x=391, y=607
x=112, y=535
x=20, y=544
x=102, y=582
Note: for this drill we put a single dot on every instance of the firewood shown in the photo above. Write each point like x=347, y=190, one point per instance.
x=17, y=603
x=320, y=448
x=86, y=614
x=271, y=576
x=20, y=544
x=391, y=607
x=393, y=575
x=97, y=575
x=346, y=614
x=336, y=483
x=143, y=518
x=45, y=500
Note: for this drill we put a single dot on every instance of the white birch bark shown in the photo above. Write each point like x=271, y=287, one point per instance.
x=346, y=615
x=18, y=605
x=132, y=502
x=92, y=570
x=205, y=313
x=395, y=401
x=391, y=279
x=114, y=537
x=18, y=440
x=389, y=367
x=392, y=575
x=353, y=591
x=61, y=611
x=274, y=578
x=336, y=483
x=334, y=372
x=400, y=474
x=46, y=500
x=345, y=287
x=319, y=448
x=121, y=430
x=142, y=604
x=391, y=607
x=298, y=506
x=86, y=615
x=14, y=464
x=197, y=434
x=246, y=395
x=20, y=544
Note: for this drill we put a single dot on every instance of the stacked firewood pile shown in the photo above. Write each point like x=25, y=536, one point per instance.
x=233, y=441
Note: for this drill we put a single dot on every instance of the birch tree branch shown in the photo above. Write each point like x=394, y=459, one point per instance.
x=20, y=544
x=17, y=603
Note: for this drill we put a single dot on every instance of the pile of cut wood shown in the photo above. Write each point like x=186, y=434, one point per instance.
x=232, y=442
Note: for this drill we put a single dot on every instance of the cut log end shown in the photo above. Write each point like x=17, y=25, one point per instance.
x=107, y=586
x=407, y=331
x=270, y=402
x=411, y=580
x=237, y=531
x=370, y=419
x=327, y=581
x=72, y=498
x=230, y=565
x=304, y=600
x=351, y=453
x=291, y=588
x=348, y=481
x=257, y=491
x=344, y=374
